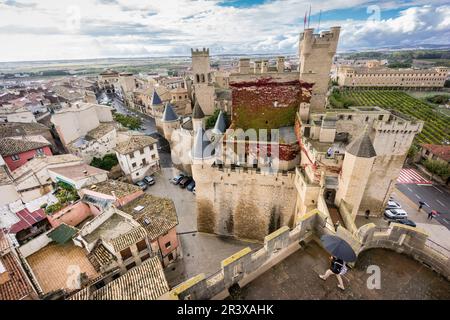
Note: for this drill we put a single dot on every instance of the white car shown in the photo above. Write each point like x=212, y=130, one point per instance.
x=395, y=214
x=393, y=205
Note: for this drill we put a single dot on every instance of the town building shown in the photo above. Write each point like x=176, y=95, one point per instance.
x=138, y=156
x=7, y=187
x=32, y=180
x=144, y=282
x=14, y=282
x=77, y=120
x=374, y=75
x=17, y=151
x=159, y=218
x=17, y=129
x=436, y=152
x=78, y=176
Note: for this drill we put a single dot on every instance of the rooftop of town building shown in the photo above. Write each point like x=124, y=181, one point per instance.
x=157, y=215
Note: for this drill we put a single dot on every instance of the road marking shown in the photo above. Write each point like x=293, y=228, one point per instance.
x=440, y=203
x=438, y=189
x=409, y=189
x=417, y=196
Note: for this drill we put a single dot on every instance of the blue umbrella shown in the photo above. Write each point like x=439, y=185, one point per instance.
x=338, y=248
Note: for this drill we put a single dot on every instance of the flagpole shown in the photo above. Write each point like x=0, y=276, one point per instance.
x=309, y=17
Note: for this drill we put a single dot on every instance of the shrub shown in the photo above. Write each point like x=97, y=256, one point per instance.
x=105, y=163
x=130, y=122
x=437, y=167
x=439, y=99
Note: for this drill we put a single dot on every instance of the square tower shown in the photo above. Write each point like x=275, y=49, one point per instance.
x=316, y=52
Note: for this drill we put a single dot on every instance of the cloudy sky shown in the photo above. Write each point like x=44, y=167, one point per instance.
x=79, y=29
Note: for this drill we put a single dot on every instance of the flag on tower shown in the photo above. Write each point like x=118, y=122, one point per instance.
x=304, y=21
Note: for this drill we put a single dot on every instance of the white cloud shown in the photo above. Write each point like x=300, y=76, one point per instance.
x=48, y=29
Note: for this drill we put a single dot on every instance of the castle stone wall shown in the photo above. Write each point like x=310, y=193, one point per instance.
x=243, y=203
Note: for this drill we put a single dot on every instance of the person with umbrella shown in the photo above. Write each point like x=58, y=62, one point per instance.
x=340, y=252
x=338, y=268
x=421, y=204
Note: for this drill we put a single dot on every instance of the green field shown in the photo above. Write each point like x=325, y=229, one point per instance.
x=437, y=126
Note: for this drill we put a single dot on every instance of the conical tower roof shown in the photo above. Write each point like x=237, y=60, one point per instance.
x=220, y=126
x=200, y=144
x=155, y=98
x=362, y=146
x=169, y=114
x=197, y=113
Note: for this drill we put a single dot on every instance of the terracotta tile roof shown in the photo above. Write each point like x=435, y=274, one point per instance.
x=144, y=282
x=10, y=146
x=441, y=151
x=14, y=129
x=4, y=243
x=102, y=255
x=83, y=294
x=100, y=131
x=120, y=189
x=51, y=264
x=127, y=239
x=18, y=285
x=157, y=215
x=133, y=143
x=5, y=178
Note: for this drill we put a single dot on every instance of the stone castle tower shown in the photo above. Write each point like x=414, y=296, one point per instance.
x=358, y=162
x=316, y=53
x=203, y=80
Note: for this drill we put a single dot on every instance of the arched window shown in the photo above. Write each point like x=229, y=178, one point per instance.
x=197, y=76
x=203, y=78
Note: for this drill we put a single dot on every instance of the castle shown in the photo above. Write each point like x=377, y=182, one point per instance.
x=282, y=153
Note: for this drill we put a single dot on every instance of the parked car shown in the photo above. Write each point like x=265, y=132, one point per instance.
x=393, y=205
x=185, y=181
x=141, y=184
x=149, y=180
x=191, y=186
x=177, y=179
x=395, y=214
x=406, y=222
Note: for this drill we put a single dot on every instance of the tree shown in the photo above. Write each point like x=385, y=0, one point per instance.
x=106, y=163
x=437, y=167
x=130, y=122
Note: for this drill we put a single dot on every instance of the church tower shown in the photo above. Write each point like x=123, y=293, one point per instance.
x=203, y=80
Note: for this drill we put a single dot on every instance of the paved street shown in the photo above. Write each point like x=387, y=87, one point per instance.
x=435, y=197
x=202, y=253
x=438, y=233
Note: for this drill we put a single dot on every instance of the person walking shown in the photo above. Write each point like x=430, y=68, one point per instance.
x=338, y=268
x=430, y=215
x=421, y=205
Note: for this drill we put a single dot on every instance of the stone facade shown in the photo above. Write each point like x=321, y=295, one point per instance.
x=243, y=203
x=375, y=76
x=316, y=52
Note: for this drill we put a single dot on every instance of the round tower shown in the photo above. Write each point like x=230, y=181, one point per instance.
x=170, y=121
x=198, y=118
x=358, y=161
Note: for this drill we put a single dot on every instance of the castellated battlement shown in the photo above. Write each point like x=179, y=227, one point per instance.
x=330, y=38
x=398, y=126
x=200, y=52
